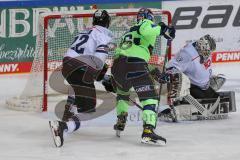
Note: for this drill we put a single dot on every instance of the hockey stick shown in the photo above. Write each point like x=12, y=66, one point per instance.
x=170, y=103
x=163, y=69
x=135, y=103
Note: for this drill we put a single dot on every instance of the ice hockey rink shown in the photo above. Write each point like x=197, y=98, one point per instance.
x=26, y=135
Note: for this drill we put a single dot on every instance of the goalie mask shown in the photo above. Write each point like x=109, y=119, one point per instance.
x=101, y=18
x=145, y=13
x=205, y=45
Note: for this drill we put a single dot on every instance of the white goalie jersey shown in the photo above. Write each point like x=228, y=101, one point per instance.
x=187, y=61
x=91, y=44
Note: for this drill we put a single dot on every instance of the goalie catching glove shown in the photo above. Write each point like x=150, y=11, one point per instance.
x=217, y=81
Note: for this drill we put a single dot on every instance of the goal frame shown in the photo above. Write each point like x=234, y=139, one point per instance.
x=84, y=14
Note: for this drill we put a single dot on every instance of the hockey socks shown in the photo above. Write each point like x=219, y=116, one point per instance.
x=73, y=124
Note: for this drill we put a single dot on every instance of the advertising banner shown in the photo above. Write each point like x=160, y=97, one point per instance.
x=219, y=18
x=31, y=3
x=19, y=27
x=231, y=56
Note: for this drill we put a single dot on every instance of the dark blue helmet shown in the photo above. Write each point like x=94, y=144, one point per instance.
x=145, y=13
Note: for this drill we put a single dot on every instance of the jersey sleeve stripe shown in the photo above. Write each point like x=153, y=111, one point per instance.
x=102, y=45
x=101, y=51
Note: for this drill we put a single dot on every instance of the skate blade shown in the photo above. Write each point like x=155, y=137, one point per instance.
x=157, y=143
x=53, y=127
x=118, y=133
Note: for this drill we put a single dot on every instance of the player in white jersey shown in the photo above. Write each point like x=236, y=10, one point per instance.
x=194, y=61
x=83, y=63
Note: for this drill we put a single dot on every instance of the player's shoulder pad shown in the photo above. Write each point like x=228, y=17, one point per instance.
x=146, y=24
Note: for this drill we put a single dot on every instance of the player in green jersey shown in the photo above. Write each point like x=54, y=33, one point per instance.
x=130, y=69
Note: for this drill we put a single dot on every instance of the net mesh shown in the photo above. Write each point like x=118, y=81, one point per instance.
x=55, y=38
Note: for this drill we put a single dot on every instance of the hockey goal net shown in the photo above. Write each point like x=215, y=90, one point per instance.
x=56, y=31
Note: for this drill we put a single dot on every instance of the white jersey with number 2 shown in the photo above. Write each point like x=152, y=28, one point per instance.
x=187, y=60
x=91, y=43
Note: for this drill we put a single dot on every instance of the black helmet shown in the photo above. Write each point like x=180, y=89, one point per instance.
x=145, y=13
x=101, y=18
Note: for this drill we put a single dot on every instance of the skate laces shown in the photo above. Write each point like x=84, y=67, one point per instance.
x=148, y=131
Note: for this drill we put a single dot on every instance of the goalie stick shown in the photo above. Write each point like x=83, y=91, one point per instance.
x=170, y=102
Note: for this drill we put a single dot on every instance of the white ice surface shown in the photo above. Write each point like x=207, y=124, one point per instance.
x=26, y=136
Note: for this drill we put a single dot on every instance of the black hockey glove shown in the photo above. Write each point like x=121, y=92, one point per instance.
x=160, y=77
x=102, y=73
x=155, y=73
x=164, y=78
x=107, y=83
x=169, y=75
x=167, y=31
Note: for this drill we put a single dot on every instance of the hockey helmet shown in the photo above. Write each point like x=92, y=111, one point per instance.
x=101, y=18
x=145, y=13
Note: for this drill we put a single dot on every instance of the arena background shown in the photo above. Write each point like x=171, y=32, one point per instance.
x=26, y=135
x=192, y=19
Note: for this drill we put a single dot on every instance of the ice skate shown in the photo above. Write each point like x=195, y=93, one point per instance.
x=121, y=122
x=57, y=128
x=67, y=113
x=149, y=137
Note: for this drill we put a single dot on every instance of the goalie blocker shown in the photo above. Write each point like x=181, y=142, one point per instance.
x=189, y=108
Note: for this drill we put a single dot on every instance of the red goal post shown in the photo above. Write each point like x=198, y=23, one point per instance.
x=55, y=34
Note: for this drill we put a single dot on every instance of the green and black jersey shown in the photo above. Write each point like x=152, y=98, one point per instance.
x=139, y=41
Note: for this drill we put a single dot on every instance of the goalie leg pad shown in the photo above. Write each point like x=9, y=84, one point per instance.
x=199, y=93
x=229, y=96
x=215, y=108
x=179, y=86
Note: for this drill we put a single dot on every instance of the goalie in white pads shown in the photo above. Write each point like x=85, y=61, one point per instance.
x=194, y=61
x=83, y=63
